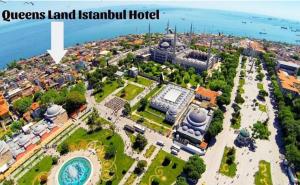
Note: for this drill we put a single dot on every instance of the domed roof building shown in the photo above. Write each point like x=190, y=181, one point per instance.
x=195, y=124
x=56, y=114
x=243, y=137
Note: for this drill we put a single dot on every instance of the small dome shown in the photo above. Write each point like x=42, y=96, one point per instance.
x=197, y=133
x=191, y=131
x=165, y=44
x=197, y=116
x=172, y=111
x=53, y=110
x=185, y=128
x=244, y=133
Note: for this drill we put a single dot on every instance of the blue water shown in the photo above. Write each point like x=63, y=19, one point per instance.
x=23, y=39
x=75, y=172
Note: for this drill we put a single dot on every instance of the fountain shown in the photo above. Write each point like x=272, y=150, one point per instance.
x=76, y=171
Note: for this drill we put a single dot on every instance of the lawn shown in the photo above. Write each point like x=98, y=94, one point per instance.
x=131, y=91
x=112, y=170
x=148, y=96
x=32, y=176
x=263, y=176
x=141, y=80
x=260, y=86
x=131, y=179
x=152, y=126
x=262, y=107
x=165, y=174
x=226, y=168
x=107, y=90
x=149, y=151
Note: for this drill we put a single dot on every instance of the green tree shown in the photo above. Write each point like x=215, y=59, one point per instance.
x=22, y=105
x=140, y=166
x=181, y=181
x=74, y=100
x=143, y=104
x=194, y=168
x=64, y=148
x=140, y=142
x=16, y=125
x=8, y=182
x=260, y=130
x=127, y=109
x=110, y=152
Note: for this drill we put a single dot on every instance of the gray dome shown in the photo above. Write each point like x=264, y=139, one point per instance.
x=172, y=111
x=197, y=133
x=53, y=110
x=165, y=44
x=197, y=116
x=185, y=128
x=191, y=131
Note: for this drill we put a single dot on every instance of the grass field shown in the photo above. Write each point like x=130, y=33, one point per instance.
x=141, y=80
x=112, y=170
x=32, y=176
x=131, y=91
x=165, y=174
x=152, y=126
x=107, y=90
x=148, y=96
x=263, y=176
x=225, y=168
x=149, y=151
x=131, y=179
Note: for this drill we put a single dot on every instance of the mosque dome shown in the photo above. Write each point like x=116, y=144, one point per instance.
x=165, y=44
x=53, y=110
x=172, y=111
x=244, y=133
x=197, y=117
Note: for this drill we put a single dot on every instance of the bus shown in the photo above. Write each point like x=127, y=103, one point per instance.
x=139, y=128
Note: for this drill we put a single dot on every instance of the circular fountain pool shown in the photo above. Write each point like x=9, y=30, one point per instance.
x=76, y=171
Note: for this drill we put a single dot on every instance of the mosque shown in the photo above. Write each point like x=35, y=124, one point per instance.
x=171, y=49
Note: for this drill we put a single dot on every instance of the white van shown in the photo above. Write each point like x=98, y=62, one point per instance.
x=174, y=152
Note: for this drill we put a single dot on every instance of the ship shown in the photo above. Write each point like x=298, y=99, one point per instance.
x=262, y=33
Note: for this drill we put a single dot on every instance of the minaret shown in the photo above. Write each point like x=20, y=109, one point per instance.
x=149, y=38
x=175, y=38
x=190, y=35
x=209, y=52
x=168, y=27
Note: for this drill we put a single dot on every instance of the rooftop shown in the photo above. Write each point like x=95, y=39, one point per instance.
x=289, y=82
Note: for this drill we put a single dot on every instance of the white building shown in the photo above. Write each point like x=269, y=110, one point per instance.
x=172, y=100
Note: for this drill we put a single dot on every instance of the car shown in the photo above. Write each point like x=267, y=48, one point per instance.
x=160, y=143
x=110, y=118
x=174, y=152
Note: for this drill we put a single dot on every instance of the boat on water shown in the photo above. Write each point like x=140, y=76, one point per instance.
x=262, y=33
x=298, y=41
x=244, y=22
x=284, y=27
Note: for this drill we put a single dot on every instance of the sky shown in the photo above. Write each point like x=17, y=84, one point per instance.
x=282, y=9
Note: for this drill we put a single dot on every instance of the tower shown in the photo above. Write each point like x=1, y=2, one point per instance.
x=190, y=35
x=175, y=38
x=209, y=52
x=168, y=27
x=149, y=38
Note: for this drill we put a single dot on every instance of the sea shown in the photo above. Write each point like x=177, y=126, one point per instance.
x=26, y=38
